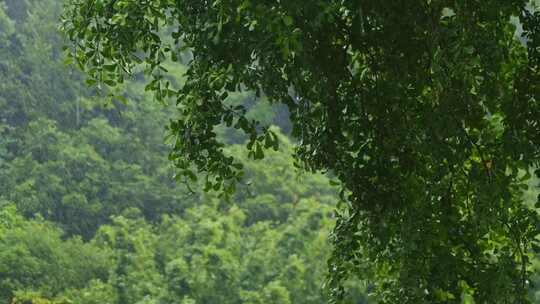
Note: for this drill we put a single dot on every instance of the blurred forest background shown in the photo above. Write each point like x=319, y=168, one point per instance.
x=90, y=212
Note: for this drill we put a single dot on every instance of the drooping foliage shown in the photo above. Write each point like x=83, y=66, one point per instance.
x=89, y=210
x=427, y=113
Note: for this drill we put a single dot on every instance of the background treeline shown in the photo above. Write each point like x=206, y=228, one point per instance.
x=90, y=212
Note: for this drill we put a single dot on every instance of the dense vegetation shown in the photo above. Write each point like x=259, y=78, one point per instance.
x=93, y=211
x=426, y=112
x=90, y=212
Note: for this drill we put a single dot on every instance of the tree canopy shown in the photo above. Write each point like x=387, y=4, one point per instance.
x=426, y=112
